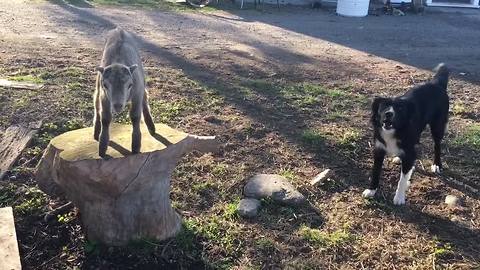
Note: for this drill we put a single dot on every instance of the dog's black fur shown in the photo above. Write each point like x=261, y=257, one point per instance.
x=398, y=123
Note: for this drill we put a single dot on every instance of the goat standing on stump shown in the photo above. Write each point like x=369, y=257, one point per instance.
x=120, y=79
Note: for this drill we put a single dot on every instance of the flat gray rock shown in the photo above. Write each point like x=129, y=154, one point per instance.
x=275, y=187
x=248, y=207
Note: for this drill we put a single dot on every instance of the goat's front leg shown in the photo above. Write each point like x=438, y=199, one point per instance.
x=96, y=119
x=106, y=118
x=135, y=116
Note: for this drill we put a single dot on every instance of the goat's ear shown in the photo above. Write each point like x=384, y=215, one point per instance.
x=132, y=68
x=375, y=105
x=100, y=69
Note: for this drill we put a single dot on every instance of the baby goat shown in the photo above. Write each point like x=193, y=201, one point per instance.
x=120, y=79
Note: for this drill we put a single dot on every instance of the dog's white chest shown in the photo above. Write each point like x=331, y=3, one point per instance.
x=391, y=143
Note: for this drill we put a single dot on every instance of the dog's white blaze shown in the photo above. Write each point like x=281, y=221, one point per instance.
x=397, y=160
x=391, y=144
x=390, y=109
x=369, y=193
x=402, y=187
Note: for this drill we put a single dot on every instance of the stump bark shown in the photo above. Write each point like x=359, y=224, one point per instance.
x=125, y=197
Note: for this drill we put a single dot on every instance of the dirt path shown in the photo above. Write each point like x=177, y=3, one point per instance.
x=289, y=93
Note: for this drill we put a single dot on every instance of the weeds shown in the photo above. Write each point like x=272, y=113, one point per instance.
x=470, y=138
x=324, y=239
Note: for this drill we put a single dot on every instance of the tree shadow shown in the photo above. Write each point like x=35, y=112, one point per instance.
x=280, y=116
x=421, y=41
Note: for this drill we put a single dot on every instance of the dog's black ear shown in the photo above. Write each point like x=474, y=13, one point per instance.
x=375, y=105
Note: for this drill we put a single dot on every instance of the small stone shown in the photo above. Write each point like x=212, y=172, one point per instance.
x=452, y=200
x=248, y=207
x=321, y=176
x=275, y=187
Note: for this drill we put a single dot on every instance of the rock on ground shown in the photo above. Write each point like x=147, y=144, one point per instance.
x=452, y=200
x=275, y=187
x=248, y=207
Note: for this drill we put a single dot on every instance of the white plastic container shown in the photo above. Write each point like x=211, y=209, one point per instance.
x=353, y=8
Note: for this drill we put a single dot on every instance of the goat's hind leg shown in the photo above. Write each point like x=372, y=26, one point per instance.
x=147, y=116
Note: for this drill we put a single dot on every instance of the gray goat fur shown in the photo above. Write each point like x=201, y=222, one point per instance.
x=120, y=79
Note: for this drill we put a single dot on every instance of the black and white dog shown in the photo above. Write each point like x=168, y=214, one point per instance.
x=398, y=123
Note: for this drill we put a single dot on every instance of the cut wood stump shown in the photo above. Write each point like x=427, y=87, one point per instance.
x=125, y=197
x=9, y=256
x=14, y=140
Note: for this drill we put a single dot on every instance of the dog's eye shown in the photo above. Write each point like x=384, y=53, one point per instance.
x=130, y=86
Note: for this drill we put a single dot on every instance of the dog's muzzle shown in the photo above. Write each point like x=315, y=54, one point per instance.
x=387, y=124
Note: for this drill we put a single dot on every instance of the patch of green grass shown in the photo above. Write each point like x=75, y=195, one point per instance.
x=203, y=186
x=26, y=78
x=25, y=201
x=74, y=86
x=168, y=112
x=23, y=101
x=313, y=138
x=469, y=138
x=442, y=250
x=459, y=108
x=230, y=210
x=265, y=245
x=349, y=138
x=218, y=231
x=336, y=115
x=51, y=129
x=324, y=239
x=73, y=72
x=288, y=173
x=185, y=239
x=220, y=170
x=7, y=194
x=66, y=218
x=33, y=200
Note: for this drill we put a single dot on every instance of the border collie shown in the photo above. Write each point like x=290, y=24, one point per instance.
x=398, y=123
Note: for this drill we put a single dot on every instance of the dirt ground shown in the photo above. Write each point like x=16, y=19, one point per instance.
x=287, y=91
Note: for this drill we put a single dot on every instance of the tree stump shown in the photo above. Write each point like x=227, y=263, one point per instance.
x=125, y=197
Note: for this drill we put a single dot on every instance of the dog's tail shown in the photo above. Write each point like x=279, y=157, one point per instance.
x=441, y=76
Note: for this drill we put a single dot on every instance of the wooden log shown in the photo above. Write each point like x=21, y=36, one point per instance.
x=14, y=140
x=9, y=256
x=125, y=197
x=20, y=85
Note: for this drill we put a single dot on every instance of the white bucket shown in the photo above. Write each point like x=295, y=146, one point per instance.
x=353, y=8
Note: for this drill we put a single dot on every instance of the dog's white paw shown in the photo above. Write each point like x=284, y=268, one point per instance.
x=435, y=168
x=369, y=193
x=399, y=199
x=397, y=160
